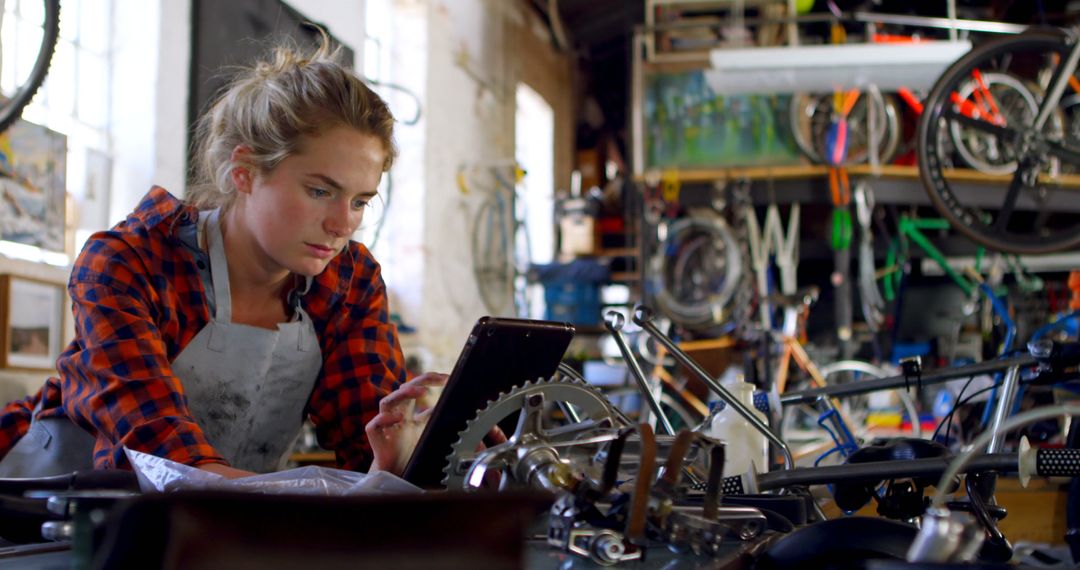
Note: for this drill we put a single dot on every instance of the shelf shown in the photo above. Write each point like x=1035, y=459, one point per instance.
x=806, y=171
x=626, y=276
x=618, y=252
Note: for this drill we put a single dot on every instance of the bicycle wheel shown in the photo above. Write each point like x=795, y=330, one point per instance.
x=812, y=115
x=696, y=271
x=1026, y=198
x=25, y=62
x=799, y=424
x=492, y=266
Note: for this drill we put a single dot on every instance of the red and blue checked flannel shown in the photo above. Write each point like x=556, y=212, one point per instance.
x=138, y=300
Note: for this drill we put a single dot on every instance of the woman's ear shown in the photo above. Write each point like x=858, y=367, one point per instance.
x=241, y=169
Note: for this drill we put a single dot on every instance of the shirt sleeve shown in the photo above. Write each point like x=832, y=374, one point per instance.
x=15, y=421
x=363, y=363
x=119, y=380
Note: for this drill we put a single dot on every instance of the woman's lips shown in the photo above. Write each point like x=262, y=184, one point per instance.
x=320, y=251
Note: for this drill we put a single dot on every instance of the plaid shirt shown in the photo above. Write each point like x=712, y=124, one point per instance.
x=138, y=300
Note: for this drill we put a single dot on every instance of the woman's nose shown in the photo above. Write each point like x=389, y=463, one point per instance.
x=339, y=221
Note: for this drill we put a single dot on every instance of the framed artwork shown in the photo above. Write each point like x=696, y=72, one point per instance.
x=33, y=191
x=31, y=315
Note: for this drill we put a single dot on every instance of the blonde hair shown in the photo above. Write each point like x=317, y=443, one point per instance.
x=268, y=107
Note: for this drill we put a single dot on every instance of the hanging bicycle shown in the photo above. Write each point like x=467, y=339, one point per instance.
x=1007, y=109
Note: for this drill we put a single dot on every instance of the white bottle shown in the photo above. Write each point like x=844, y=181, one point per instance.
x=745, y=446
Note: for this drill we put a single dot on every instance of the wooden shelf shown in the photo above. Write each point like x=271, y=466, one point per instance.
x=617, y=252
x=626, y=276
x=892, y=171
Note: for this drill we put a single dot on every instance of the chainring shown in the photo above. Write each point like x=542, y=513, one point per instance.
x=597, y=414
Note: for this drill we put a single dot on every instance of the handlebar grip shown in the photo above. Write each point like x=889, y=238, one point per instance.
x=732, y=486
x=1057, y=462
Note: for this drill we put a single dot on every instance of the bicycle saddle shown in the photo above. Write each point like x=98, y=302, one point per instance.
x=905, y=499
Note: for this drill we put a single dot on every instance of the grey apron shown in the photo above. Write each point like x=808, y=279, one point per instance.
x=247, y=387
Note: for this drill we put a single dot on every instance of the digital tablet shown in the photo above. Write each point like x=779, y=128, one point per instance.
x=499, y=354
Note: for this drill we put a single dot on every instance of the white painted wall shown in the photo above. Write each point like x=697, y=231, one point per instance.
x=470, y=121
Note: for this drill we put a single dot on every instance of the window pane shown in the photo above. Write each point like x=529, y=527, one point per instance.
x=94, y=26
x=32, y=11
x=60, y=82
x=93, y=82
x=69, y=18
x=29, y=41
x=7, y=63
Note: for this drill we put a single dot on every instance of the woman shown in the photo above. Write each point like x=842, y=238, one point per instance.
x=206, y=330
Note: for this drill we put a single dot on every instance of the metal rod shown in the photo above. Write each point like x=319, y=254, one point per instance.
x=614, y=323
x=643, y=317
x=859, y=17
x=1053, y=95
x=637, y=106
x=881, y=470
x=894, y=382
x=1003, y=409
x=941, y=23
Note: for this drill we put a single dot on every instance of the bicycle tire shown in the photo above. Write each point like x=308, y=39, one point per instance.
x=1015, y=227
x=859, y=431
x=810, y=115
x=494, y=280
x=704, y=308
x=12, y=108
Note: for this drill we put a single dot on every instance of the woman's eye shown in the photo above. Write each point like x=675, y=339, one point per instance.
x=318, y=192
x=360, y=204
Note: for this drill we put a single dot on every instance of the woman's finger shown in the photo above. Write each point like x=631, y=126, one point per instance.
x=403, y=394
x=384, y=420
x=428, y=379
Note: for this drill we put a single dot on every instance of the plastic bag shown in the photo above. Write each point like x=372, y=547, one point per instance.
x=162, y=475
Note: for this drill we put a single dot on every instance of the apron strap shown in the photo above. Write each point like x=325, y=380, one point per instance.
x=219, y=267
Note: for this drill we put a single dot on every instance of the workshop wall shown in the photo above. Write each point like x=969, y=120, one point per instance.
x=478, y=51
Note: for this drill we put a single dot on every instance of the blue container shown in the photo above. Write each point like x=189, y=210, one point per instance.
x=575, y=302
x=572, y=290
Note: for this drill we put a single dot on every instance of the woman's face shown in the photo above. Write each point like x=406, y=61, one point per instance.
x=302, y=213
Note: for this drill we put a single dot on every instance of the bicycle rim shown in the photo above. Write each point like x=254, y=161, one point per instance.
x=1031, y=207
x=491, y=258
x=22, y=87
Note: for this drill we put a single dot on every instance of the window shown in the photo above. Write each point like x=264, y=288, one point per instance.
x=73, y=101
x=535, y=149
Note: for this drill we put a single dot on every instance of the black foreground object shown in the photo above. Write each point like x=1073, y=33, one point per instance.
x=839, y=544
x=852, y=496
x=98, y=479
x=21, y=518
x=230, y=530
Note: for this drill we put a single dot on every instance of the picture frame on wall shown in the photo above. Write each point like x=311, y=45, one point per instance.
x=31, y=323
x=33, y=185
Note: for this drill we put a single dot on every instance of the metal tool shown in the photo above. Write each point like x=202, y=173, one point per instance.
x=614, y=323
x=643, y=316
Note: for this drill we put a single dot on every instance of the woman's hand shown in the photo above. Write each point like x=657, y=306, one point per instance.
x=225, y=471
x=391, y=431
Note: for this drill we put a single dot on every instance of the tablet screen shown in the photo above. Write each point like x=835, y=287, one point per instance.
x=499, y=354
